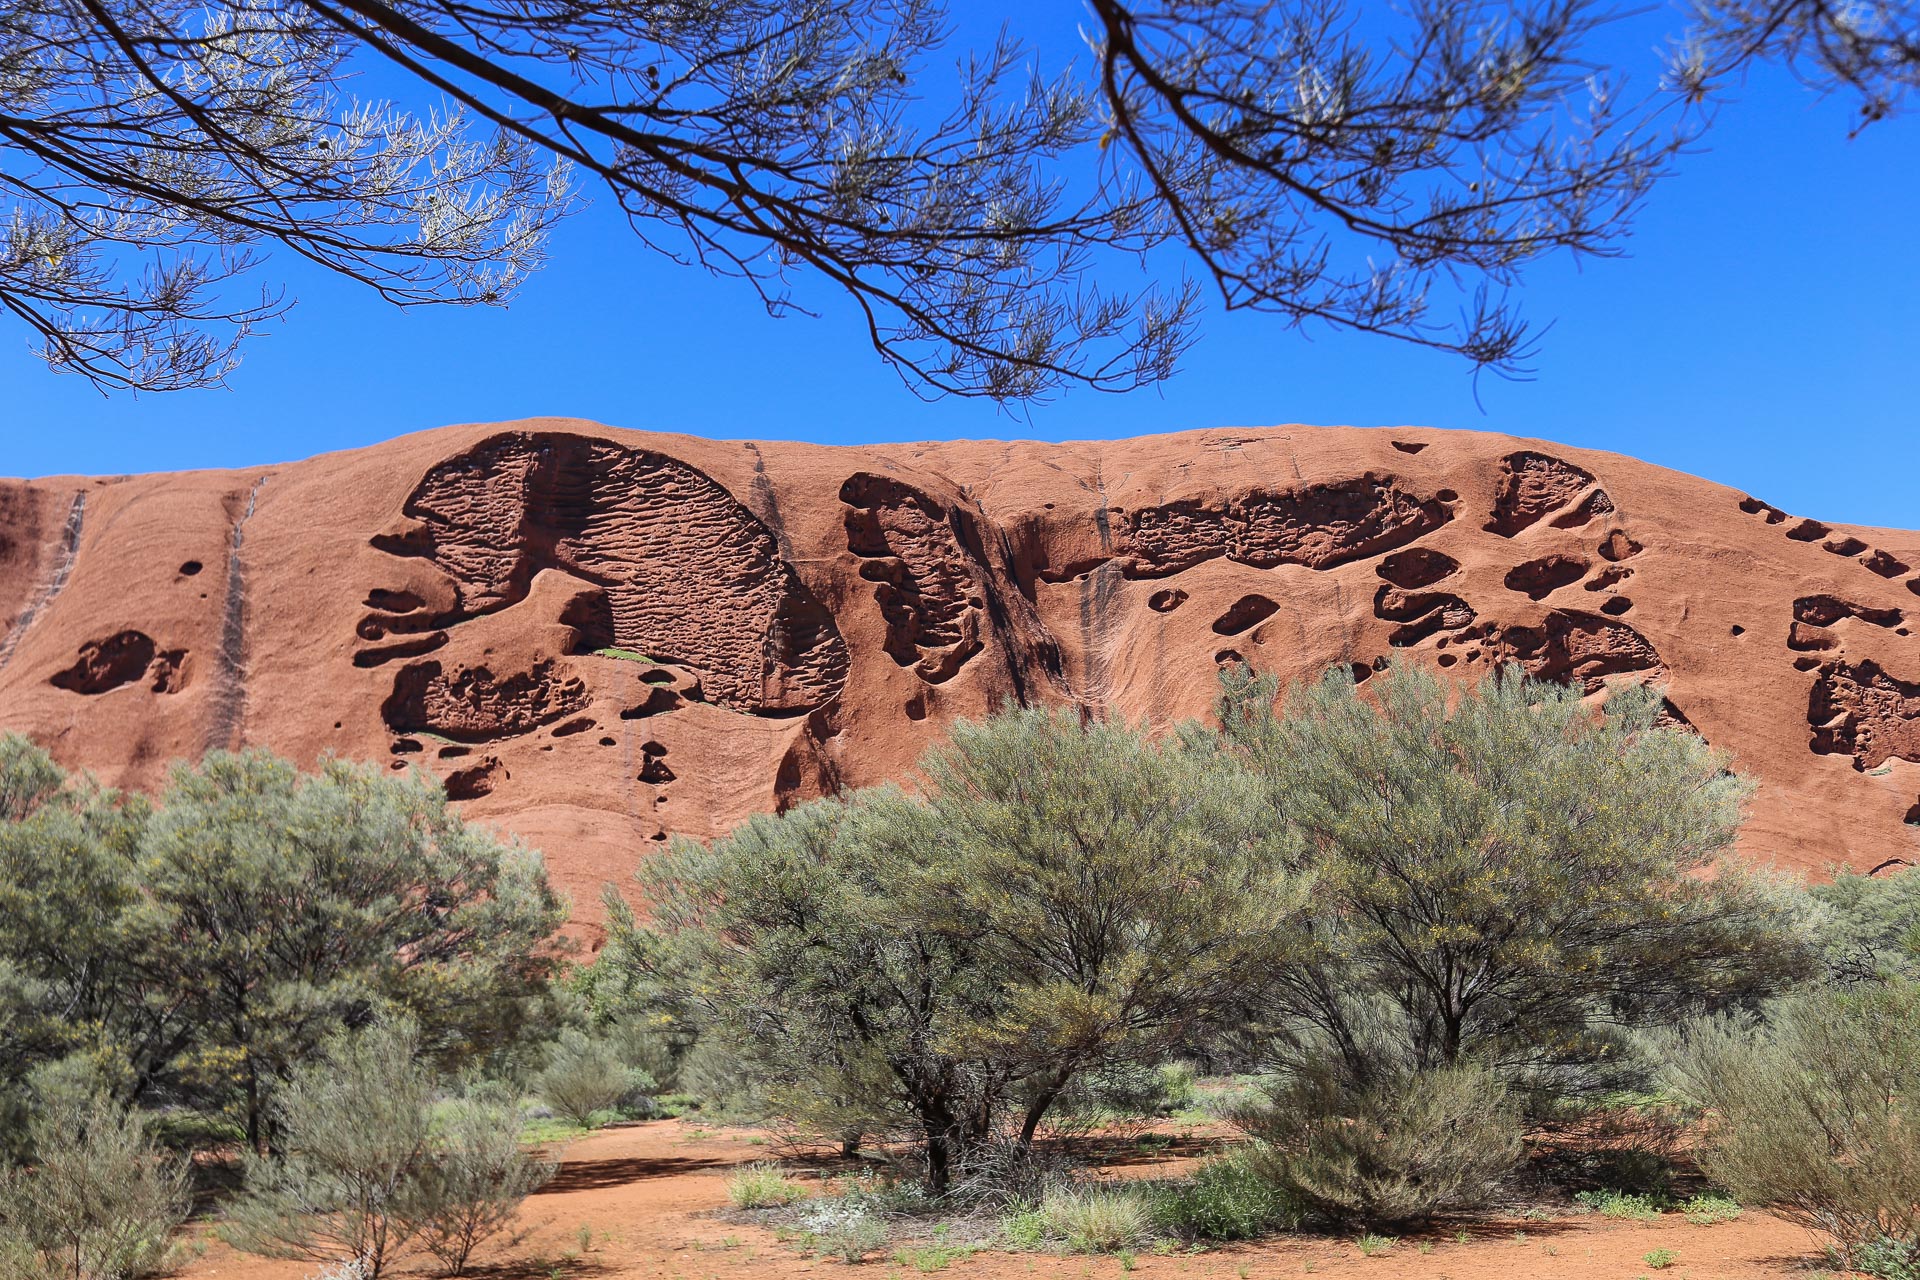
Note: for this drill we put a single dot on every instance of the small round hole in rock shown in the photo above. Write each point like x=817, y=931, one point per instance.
x=1166, y=601
x=1739, y=630
x=190, y=568
x=1448, y=659
x=608, y=742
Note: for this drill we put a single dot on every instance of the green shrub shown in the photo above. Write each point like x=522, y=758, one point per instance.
x=1885, y=1259
x=761, y=1186
x=1373, y=1246
x=1024, y=1229
x=585, y=1080
x=356, y=1127
x=1097, y=1219
x=1225, y=1199
x=1436, y=1139
x=1658, y=1259
x=1815, y=1116
x=1620, y=1205
x=1707, y=1210
x=932, y=1257
x=99, y=1201
x=471, y=1188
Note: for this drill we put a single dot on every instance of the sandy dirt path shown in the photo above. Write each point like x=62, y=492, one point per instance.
x=653, y=1197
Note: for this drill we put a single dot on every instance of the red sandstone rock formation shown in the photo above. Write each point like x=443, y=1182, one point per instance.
x=598, y=637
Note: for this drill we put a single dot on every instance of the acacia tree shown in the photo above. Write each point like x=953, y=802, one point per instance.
x=278, y=907
x=1312, y=159
x=1066, y=897
x=68, y=983
x=783, y=939
x=1504, y=875
x=1125, y=893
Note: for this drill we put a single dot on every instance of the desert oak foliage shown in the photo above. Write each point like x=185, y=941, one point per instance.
x=1327, y=161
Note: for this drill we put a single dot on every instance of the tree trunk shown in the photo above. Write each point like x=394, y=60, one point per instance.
x=1037, y=1110
x=939, y=1162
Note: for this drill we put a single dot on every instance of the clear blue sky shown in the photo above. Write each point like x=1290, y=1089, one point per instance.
x=1764, y=332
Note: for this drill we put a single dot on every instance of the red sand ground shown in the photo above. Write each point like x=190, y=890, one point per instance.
x=820, y=615
x=653, y=1196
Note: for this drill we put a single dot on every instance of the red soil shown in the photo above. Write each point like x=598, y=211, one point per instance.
x=654, y=1197
x=820, y=615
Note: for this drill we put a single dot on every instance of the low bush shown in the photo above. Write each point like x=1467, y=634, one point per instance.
x=1097, y=1219
x=1226, y=1198
x=585, y=1080
x=356, y=1127
x=98, y=1203
x=843, y=1228
x=1884, y=1259
x=470, y=1190
x=762, y=1186
x=371, y=1168
x=1815, y=1115
x=1620, y=1205
x=1394, y=1153
x=1659, y=1259
x=1024, y=1229
x=1708, y=1210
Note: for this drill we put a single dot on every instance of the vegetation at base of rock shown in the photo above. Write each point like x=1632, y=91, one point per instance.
x=1396, y=1151
x=1415, y=922
x=366, y=1174
x=201, y=946
x=98, y=1201
x=1813, y=1113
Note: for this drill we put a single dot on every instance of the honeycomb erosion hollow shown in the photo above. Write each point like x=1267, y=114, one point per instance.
x=597, y=639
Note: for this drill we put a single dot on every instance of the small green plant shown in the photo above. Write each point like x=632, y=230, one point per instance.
x=1519, y=1237
x=1128, y=1259
x=848, y=1232
x=1461, y=1237
x=1372, y=1246
x=1706, y=1210
x=585, y=1238
x=761, y=1186
x=933, y=1257
x=1658, y=1259
x=1024, y=1230
x=1426, y=1247
x=1616, y=1204
x=627, y=655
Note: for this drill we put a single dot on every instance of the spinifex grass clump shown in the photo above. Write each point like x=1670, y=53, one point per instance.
x=762, y=1186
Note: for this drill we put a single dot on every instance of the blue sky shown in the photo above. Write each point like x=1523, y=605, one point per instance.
x=1764, y=332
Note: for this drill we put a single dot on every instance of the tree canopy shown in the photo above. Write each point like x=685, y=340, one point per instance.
x=1325, y=161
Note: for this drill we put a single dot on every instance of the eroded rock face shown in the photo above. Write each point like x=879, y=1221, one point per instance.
x=1859, y=710
x=931, y=587
x=1533, y=485
x=1319, y=526
x=599, y=639
x=689, y=574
